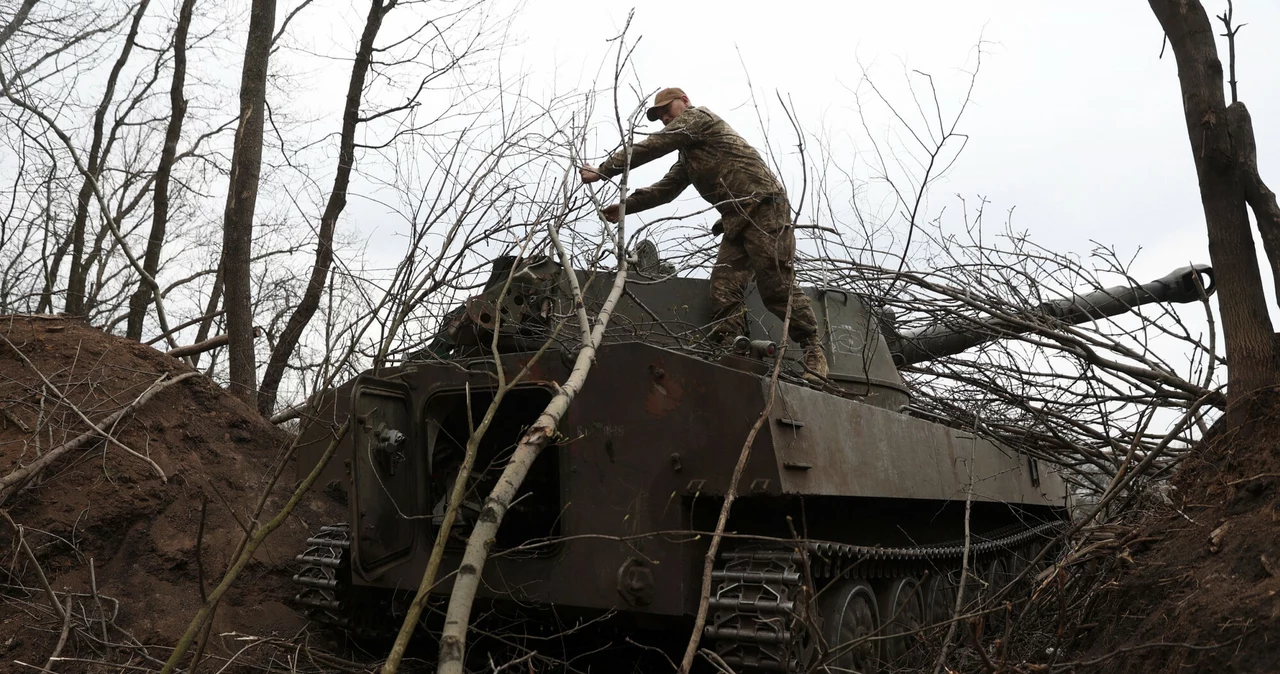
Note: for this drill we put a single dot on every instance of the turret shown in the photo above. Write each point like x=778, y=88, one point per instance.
x=953, y=336
x=864, y=350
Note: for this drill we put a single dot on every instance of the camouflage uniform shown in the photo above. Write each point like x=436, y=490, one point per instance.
x=758, y=239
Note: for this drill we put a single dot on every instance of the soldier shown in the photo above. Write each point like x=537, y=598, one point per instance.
x=755, y=219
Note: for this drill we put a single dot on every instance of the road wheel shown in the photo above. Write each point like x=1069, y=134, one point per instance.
x=850, y=622
x=939, y=599
x=902, y=614
x=995, y=576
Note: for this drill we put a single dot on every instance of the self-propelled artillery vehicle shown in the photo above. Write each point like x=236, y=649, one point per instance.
x=850, y=518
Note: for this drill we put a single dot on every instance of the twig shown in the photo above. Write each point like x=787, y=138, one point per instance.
x=14, y=480
x=62, y=638
x=1141, y=647
x=964, y=572
x=44, y=581
x=654, y=649
x=11, y=417
x=102, y=614
x=977, y=646
x=1226, y=18
x=204, y=597
x=204, y=505
x=1251, y=479
x=715, y=659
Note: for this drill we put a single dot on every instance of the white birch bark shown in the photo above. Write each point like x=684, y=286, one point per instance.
x=539, y=435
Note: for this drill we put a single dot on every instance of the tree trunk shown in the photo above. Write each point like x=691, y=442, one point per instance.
x=1260, y=197
x=53, y=263
x=160, y=209
x=297, y=322
x=458, y=616
x=1245, y=323
x=79, y=273
x=210, y=313
x=242, y=198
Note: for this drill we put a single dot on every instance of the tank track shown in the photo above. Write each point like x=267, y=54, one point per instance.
x=831, y=559
x=324, y=562
x=759, y=589
x=753, y=608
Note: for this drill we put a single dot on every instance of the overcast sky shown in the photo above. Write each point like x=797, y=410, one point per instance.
x=1075, y=119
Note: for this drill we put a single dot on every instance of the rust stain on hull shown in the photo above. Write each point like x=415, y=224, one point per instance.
x=664, y=392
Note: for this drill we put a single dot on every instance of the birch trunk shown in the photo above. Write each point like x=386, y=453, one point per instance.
x=458, y=616
x=456, y=495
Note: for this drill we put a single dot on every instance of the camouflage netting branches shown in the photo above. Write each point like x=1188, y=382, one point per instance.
x=1078, y=396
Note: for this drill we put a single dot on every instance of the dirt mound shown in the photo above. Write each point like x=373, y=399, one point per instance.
x=1201, y=594
x=106, y=529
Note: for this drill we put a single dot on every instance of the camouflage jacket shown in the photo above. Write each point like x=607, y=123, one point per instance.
x=723, y=167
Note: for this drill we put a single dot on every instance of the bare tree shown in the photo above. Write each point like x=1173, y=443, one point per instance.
x=79, y=268
x=1223, y=147
x=1115, y=404
x=242, y=197
x=142, y=297
x=288, y=340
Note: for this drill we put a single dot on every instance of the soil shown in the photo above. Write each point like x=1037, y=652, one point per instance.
x=100, y=518
x=1202, y=594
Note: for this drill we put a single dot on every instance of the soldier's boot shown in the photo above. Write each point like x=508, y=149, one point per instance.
x=815, y=362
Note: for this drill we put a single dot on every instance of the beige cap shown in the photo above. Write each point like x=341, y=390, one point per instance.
x=660, y=102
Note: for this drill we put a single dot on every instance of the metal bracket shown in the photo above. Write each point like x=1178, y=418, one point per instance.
x=388, y=445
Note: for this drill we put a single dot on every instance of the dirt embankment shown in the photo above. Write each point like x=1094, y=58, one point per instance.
x=1202, y=593
x=101, y=518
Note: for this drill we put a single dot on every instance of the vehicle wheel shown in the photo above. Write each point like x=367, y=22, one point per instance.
x=994, y=577
x=902, y=614
x=940, y=598
x=850, y=620
x=974, y=588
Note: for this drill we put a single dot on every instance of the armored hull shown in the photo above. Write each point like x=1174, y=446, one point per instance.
x=853, y=517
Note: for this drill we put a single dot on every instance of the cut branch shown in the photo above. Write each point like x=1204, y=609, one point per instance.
x=199, y=347
x=15, y=480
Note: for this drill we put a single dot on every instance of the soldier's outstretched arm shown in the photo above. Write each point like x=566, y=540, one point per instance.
x=661, y=192
x=683, y=131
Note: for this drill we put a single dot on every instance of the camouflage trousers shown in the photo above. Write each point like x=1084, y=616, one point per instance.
x=759, y=242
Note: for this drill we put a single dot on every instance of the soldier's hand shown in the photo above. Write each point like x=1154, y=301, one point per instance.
x=611, y=213
x=589, y=174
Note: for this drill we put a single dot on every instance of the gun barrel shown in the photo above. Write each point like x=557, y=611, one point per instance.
x=949, y=337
